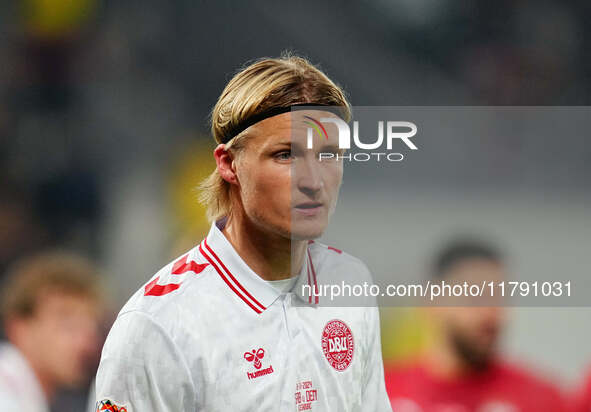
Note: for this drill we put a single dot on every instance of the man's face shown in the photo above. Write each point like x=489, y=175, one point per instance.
x=62, y=337
x=283, y=186
x=474, y=331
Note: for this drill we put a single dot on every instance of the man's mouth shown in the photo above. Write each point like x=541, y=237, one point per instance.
x=308, y=208
x=308, y=205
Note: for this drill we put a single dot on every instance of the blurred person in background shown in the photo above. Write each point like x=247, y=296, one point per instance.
x=51, y=306
x=462, y=370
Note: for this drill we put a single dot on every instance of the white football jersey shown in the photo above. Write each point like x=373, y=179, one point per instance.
x=19, y=388
x=206, y=333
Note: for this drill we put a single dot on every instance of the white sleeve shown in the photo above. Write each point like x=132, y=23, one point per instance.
x=374, y=395
x=142, y=370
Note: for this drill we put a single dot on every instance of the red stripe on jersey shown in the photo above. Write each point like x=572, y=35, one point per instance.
x=232, y=276
x=314, y=277
x=153, y=289
x=178, y=268
x=335, y=249
x=182, y=266
x=257, y=310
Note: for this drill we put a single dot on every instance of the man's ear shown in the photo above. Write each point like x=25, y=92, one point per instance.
x=225, y=164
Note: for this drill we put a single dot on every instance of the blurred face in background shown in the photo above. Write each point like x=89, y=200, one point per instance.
x=473, y=331
x=283, y=188
x=61, y=338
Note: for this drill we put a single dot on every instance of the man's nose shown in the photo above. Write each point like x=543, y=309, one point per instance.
x=308, y=176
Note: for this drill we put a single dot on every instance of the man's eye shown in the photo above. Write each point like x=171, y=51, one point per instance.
x=283, y=155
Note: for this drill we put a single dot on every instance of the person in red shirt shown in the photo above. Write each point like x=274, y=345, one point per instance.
x=462, y=370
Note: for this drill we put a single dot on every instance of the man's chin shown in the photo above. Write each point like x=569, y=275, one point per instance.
x=306, y=232
x=308, y=229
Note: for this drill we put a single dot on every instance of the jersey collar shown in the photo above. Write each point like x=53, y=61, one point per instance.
x=241, y=279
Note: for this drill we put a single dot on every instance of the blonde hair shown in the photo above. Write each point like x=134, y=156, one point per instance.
x=47, y=271
x=266, y=84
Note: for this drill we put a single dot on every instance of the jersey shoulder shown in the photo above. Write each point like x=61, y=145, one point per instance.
x=331, y=261
x=333, y=268
x=182, y=281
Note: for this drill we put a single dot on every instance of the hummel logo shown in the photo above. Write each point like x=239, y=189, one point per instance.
x=255, y=356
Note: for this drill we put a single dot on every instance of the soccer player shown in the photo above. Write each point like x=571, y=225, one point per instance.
x=226, y=326
x=51, y=307
x=462, y=371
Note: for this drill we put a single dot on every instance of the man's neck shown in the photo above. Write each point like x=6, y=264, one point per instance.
x=271, y=256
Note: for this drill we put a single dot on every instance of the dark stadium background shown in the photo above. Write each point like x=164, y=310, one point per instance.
x=104, y=106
